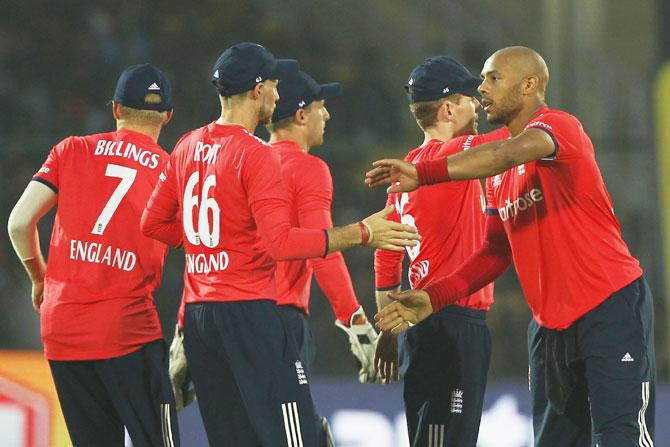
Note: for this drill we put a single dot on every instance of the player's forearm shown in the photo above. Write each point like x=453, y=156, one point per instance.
x=333, y=278
x=482, y=161
x=479, y=270
x=25, y=239
x=341, y=238
x=167, y=231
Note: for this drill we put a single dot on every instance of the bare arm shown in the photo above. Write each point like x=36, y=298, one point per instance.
x=493, y=158
x=36, y=201
x=482, y=161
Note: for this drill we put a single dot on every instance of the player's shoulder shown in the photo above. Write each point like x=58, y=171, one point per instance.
x=426, y=151
x=79, y=143
x=554, y=119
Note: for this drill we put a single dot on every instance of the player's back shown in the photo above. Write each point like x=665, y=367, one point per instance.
x=221, y=176
x=101, y=269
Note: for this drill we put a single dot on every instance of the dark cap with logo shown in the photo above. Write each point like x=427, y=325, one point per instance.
x=298, y=91
x=139, y=80
x=246, y=64
x=438, y=77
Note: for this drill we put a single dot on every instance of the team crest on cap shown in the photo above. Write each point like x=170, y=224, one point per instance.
x=259, y=79
x=216, y=74
x=153, y=86
x=445, y=90
x=301, y=104
x=411, y=81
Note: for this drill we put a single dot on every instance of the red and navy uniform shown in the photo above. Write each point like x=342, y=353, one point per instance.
x=222, y=195
x=99, y=325
x=102, y=270
x=444, y=359
x=555, y=219
x=310, y=193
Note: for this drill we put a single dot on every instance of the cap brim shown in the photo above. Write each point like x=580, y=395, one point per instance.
x=470, y=87
x=284, y=68
x=329, y=91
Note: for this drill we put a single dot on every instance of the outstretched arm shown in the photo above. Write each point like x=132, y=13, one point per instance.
x=482, y=267
x=482, y=161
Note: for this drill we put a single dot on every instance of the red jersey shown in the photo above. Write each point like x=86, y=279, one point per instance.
x=310, y=193
x=227, y=185
x=450, y=218
x=101, y=270
x=559, y=219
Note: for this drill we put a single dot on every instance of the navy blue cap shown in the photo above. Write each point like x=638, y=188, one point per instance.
x=246, y=64
x=298, y=91
x=139, y=80
x=438, y=77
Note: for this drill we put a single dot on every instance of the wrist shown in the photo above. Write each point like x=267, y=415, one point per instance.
x=366, y=233
x=440, y=294
x=430, y=172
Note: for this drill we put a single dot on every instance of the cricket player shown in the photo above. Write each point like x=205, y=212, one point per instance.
x=445, y=358
x=99, y=325
x=226, y=184
x=549, y=212
x=298, y=125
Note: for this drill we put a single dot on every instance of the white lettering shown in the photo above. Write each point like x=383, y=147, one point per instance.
x=100, y=147
x=96, y=253
x=512, y=208
x=206, y=263
x=206, y=152
x=127, y=150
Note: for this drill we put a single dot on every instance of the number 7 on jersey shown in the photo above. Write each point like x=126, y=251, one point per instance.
x=127, y=176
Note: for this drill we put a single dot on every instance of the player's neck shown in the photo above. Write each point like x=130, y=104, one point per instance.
x=151, y=131
x=519, y=122
x=440, y=131
x=289, y=135
x=241, y=116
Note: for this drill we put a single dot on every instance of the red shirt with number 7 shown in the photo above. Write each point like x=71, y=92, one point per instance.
x=101, y=270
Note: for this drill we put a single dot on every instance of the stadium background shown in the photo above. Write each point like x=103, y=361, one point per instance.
x=59, y=62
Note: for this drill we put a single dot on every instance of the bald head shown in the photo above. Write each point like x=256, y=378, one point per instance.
x=514, y=80
x=524, y=62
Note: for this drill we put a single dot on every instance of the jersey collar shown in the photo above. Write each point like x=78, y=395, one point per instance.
x=287, y=144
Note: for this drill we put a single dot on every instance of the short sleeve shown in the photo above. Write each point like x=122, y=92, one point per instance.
x=565, y=131
x=48, y=174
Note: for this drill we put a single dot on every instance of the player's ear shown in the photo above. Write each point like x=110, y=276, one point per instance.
x=168, y=117
x=530, y=84
x=299, y=116
x=116, y=110
x=445, y=112
x=257, y=91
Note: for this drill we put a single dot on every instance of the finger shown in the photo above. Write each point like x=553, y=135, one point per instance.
x=378, y=171
x=385, y=212
x=402, y=230
x=386, y=163
x=399, y=296
x=388, y=311
x=402, y=327
x=389, y=323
